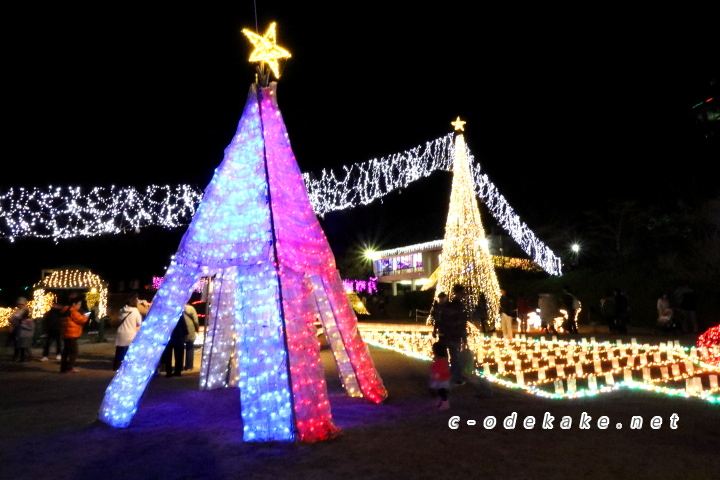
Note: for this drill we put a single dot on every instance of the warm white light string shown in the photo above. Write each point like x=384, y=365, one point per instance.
x=66, y=212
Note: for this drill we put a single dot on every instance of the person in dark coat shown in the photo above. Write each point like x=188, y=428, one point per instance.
x=607, y=309
x=570, y=303
x=26, y=331
x=508, y=313
x=523, y=309
x=52, y=328
x=16, y=318
x=437, y=307
x=452, y=331
x=175, y=348
x=481, y=314
x=688, y=303
x=622, y=311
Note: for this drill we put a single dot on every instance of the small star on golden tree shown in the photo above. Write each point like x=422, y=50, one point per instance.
x=458, y=124
x=266, y=49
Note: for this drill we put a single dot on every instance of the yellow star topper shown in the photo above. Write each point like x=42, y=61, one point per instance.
x=458, y=124
x=266, y=50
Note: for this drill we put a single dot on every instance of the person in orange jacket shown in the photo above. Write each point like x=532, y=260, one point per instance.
x=72, y=326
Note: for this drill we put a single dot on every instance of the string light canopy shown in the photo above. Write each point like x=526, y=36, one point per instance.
x=272, y=274
x=60, y=213
x=75, y=279
x=66, y=212
x=44, y=292
x=466, y=258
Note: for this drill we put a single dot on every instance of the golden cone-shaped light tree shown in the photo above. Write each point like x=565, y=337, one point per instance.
x=466, y=258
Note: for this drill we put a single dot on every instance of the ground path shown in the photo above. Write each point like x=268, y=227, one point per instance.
x=48, y=429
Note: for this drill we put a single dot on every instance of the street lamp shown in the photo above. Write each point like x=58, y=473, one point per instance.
x=372, y=255
x=575, y=247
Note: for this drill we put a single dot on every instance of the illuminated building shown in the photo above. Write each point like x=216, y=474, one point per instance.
x=412, y=265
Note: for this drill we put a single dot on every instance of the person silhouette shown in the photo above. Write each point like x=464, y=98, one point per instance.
x=175, y=348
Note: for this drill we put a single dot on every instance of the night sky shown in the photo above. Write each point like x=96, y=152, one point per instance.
x=565, y=109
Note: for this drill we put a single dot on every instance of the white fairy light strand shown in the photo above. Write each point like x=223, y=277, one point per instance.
x=516, y=228
x=66, y=212
x=363, y=183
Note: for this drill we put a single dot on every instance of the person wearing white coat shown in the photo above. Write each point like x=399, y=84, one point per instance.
x=193, y=325
x=130, y=321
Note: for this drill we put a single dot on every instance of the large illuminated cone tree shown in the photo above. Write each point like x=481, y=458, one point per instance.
x=466, y=259
x=273, y=274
